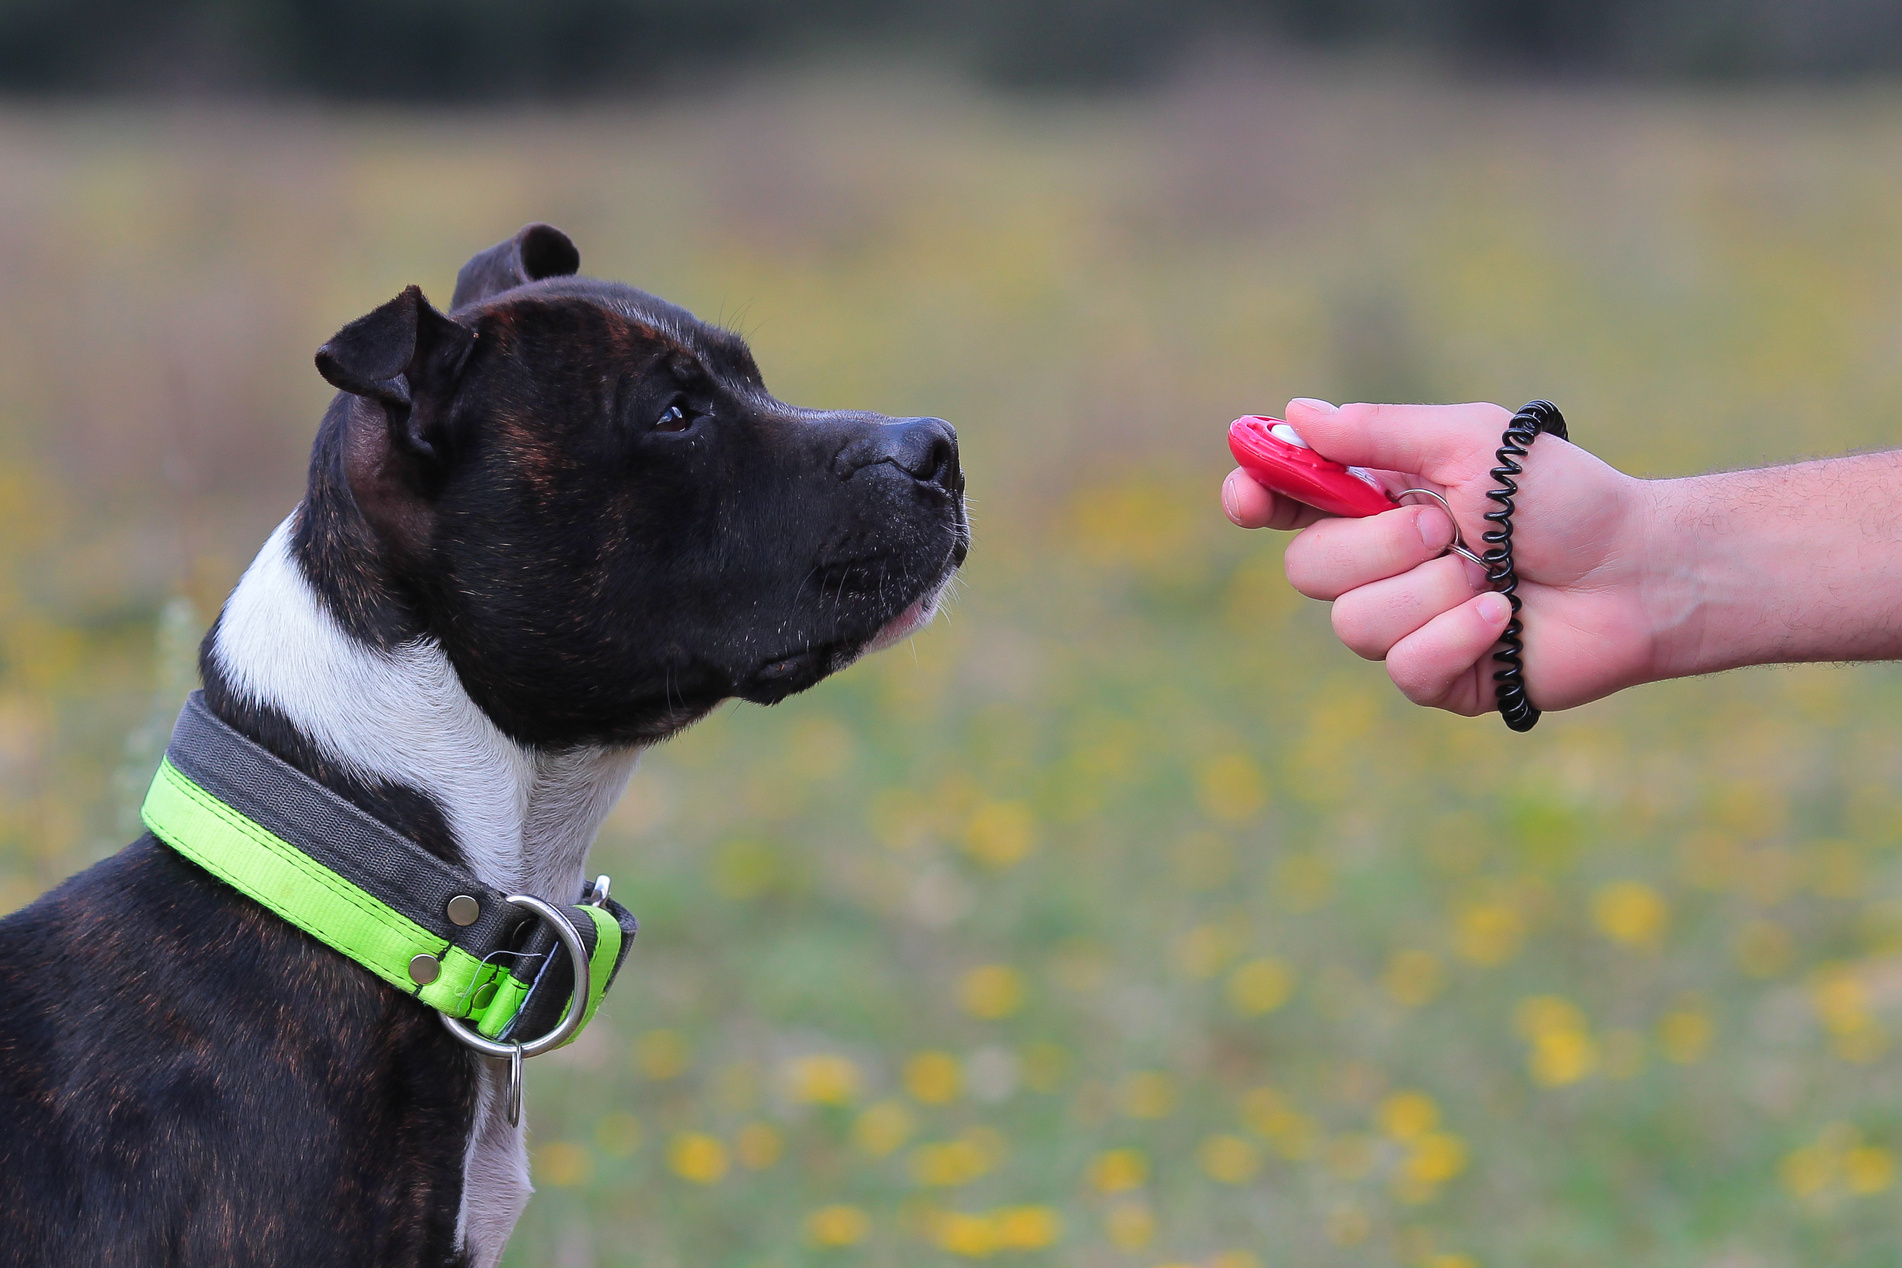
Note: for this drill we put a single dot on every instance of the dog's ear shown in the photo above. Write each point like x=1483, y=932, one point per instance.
x=536, y=252
x=405, y=357
x=401, y=363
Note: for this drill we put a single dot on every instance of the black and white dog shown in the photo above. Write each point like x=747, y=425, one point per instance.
x=541, y=532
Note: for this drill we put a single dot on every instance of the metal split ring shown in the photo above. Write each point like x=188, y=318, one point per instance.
x=515, y=1052
x=1459, y=546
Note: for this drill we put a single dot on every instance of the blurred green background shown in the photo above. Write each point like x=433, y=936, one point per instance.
x=1121, y=919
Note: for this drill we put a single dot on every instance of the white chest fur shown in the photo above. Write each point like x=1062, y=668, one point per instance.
x=523, y=819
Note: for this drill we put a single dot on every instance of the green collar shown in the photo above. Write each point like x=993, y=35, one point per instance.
x=425, y=926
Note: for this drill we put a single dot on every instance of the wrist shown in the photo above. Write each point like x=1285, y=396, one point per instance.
x=1667, y=549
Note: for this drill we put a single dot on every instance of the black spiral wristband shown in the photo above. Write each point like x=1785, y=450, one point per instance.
x=1509, y=678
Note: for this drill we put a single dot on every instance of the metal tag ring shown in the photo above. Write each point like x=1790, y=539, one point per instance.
x=577, y=1002
x=1459, y=546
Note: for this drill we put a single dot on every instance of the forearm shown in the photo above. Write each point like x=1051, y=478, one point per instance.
x=1797, y=563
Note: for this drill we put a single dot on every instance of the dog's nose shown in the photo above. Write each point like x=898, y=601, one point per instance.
x=926, y=449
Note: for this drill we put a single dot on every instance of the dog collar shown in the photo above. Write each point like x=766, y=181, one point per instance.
x=425, y=926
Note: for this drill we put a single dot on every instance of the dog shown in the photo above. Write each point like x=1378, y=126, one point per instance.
x=542, y=531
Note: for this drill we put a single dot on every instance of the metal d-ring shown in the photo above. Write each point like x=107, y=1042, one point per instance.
x=1459, y=545
x=514, y=1051
x=515, y=1085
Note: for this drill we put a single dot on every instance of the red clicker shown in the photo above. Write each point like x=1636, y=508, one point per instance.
x=1277, y=458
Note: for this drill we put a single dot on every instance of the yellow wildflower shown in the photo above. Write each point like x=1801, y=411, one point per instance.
x=1026, y=1227
x=1631, y=912
x=1267, y=1113
x=1001, y=834
x=838, y=1226
x=1806, y=1171
x=823, y=1079
x=698, y=1157
x=1118, y=1170
x=973, y=1236
x=1868, y=1169
x=1229, y=1159
x=1260, y=986
x=992, y=991
x=1562, y=1049
x=1408, y=1115
x=947, y=1164
x=1488, y=933
x=563, y=1164
x=1842, y=1004
x=1684, y=1034
x=934, y=1078
x=882, y=1128
x=1435, y=1158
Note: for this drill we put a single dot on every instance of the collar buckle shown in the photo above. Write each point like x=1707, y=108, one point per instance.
x=517, y=1051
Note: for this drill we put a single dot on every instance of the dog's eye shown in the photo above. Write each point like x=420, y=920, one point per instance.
x=675, y=419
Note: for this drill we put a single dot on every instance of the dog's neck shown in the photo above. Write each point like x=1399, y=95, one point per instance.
x=395, y=729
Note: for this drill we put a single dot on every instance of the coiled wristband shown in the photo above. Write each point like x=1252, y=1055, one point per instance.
x=1509, y=679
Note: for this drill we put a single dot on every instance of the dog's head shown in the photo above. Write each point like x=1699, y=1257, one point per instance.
x=591, y=500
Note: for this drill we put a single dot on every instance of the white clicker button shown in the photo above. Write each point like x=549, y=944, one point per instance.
x=1281, y=431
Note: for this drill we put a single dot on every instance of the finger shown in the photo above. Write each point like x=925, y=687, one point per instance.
x=1248, y=505
x=1372, y=618
x=1435, y=441
x=1333, y=556
x=1434, y=665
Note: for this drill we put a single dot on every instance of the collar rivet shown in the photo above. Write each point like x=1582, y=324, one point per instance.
x=424, y=969
x=463, y=910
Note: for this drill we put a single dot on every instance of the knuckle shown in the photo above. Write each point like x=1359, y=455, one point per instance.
x=1403, y=534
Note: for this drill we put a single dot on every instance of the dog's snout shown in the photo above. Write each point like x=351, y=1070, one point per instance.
x=926, y=449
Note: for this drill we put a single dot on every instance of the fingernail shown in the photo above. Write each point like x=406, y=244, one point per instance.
x=1228, y=499
x=1319, y=407
x=1436, y=531
x=1493, y=607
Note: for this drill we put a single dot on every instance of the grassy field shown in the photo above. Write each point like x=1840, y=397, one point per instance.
x=1122, y=920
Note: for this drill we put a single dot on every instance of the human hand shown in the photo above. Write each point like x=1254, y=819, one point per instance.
x=1579, y=543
